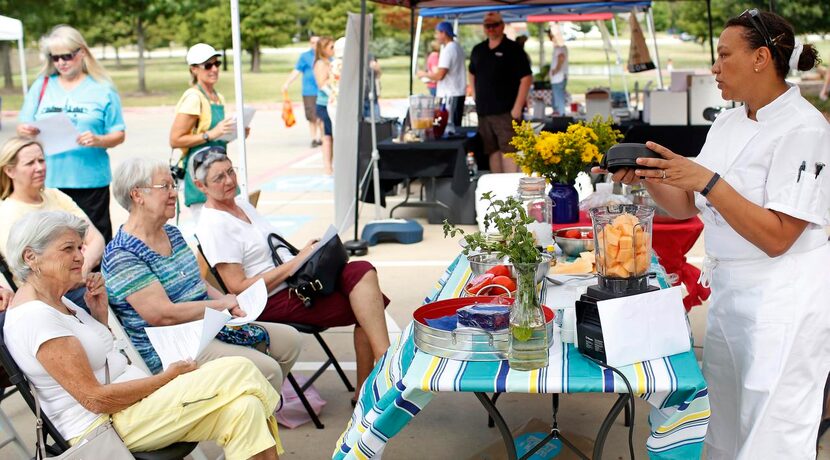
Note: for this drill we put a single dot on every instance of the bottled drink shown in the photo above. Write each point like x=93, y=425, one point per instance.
x=472, y=165
x=538, y=205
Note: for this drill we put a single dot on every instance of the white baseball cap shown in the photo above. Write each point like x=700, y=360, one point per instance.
x=200, y=53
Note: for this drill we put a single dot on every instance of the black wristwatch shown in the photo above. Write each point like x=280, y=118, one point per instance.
x=205, y=136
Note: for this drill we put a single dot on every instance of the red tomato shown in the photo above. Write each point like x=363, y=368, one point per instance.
x=499, y=270
x=505, y=281
x=572, y=234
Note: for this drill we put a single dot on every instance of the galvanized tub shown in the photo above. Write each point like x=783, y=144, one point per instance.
x=465, y=345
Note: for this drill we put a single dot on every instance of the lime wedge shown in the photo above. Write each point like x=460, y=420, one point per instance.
x=522, y=334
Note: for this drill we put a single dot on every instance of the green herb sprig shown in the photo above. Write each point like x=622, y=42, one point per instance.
x=509, y=218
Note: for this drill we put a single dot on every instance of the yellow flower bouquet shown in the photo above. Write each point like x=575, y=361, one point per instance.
x=561, y=156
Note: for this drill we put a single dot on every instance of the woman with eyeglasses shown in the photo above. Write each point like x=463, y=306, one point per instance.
x=234, y=238
x=153, y=279
x=761, y=188
x=200, y=116
x=325, y=82
x=74, y=85
x=22, y=192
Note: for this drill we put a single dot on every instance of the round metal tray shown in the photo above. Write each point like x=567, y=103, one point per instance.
x=465, y=345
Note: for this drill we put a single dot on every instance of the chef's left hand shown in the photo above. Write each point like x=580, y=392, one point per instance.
x=673, y=169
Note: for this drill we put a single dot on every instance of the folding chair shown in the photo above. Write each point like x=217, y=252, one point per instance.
x=174, y=451
x=7, y=273
x=305, y=329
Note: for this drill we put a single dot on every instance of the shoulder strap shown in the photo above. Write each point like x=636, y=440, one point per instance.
x=42, y=91
x=275, y=242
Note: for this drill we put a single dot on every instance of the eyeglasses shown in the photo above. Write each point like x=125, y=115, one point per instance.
x=492, y=25
x=757, y=22
x=210, y=65
x=168, y=187
x=66, y=57
x=230, y=172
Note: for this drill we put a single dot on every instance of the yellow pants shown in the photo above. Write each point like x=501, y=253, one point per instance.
x=226, y=400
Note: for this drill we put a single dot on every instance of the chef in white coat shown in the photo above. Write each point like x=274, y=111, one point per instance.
x=761, y=188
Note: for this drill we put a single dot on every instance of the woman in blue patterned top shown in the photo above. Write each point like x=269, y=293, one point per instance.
x=153, y=279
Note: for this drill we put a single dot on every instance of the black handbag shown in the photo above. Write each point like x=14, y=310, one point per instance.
x=319, y=273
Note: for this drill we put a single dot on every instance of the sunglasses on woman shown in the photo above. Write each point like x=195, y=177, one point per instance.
x=66, y=57
x=210, y=65
x=757, y=22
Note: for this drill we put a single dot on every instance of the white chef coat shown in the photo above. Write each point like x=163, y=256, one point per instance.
x=766, y=352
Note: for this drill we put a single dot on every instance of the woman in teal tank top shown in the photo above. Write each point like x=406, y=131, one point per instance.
x=323, y=74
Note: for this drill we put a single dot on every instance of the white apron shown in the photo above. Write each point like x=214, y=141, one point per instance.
x=766, y=352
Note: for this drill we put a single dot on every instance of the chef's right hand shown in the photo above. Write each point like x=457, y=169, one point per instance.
x=624, y=175
x=27, y=130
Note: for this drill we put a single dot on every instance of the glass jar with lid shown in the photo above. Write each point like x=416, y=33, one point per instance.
x=538, y=205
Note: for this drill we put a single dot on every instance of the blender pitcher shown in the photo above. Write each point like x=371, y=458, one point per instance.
x=421, y=114
x=622, y=238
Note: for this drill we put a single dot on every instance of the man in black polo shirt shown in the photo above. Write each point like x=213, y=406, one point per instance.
x=501, y=77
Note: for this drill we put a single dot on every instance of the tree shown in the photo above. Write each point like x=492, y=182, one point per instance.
x=328, y=17
x=266, y=23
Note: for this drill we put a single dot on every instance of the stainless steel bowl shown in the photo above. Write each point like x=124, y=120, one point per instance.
x=573, y=246
x=481, y=262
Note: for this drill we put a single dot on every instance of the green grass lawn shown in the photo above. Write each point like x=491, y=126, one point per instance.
x=167, y=78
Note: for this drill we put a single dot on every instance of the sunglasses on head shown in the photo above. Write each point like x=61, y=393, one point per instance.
x=757, y=22
x=492, y=25
x=66, y=57
x=210, y=65
x=200, y=156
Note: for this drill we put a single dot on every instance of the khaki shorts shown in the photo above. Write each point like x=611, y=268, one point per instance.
x=310, y=107
x=496, y=132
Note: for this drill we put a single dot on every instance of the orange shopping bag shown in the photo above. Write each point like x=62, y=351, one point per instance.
x=287, y=111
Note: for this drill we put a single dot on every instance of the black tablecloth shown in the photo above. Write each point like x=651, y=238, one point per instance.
x=681, y=139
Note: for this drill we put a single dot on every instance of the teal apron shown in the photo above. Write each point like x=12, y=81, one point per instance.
x=193, y=195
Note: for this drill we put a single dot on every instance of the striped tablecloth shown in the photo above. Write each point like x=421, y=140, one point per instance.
x=405, y=379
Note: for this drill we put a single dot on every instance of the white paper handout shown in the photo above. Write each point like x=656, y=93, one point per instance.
x=252, y=301
x=187, y=340
x=644, y=326
x=331, y=232
x=57, y=134
x=247, y=116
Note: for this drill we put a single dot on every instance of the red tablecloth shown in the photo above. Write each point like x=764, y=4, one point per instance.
x=671, y=242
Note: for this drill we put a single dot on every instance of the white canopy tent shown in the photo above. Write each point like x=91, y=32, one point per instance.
x=12, y=30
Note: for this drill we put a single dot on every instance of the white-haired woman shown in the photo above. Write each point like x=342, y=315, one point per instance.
x=74, y=85
x=22, y=175
x=234, y=237
x=64, y=351
x=153, y=278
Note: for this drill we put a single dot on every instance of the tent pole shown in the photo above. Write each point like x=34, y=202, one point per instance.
x=357, y=246
x=711, y=34
x=650, y=23
x=21, y=56
x=541, y=47
x=620, y=63
x=237, y=85
x=607, y=60
x=415, y=36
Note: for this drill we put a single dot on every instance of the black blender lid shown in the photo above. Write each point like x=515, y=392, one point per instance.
x=625, y=156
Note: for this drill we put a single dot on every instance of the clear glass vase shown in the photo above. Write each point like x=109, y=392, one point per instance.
x=528, y=336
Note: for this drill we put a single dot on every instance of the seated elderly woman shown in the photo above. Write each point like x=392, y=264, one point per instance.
x=233, y=237
x=63, y=351
x=22, y=192
x=153, y=279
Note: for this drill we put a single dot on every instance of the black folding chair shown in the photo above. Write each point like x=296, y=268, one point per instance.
x=305, y=329
x=7, y=273
x=175, y=451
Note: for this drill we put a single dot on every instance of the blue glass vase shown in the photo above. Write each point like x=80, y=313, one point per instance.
x=565, y=200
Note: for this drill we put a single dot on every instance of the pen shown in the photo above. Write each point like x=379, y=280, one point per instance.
x=819, y=167
x=803, y=167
